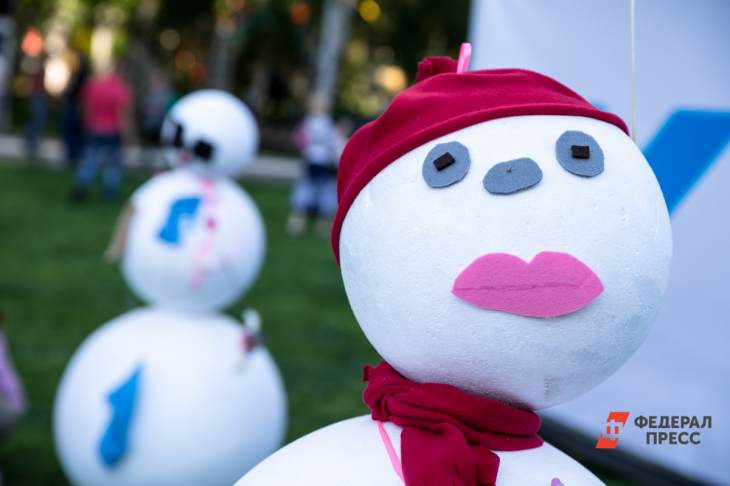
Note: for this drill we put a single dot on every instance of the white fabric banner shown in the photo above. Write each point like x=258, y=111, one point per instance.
x=683, y=126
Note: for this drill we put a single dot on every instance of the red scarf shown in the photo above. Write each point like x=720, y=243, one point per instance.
x=447, y=434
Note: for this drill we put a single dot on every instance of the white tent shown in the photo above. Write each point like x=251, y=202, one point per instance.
x=682, y=54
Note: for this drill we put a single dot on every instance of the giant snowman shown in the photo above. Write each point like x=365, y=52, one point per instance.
x=505, y=247
x=176, y=393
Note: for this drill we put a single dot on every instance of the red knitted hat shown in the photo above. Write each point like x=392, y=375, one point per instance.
x=442, y=102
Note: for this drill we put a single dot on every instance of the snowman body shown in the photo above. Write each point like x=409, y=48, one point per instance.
x=178, y=394
x=206, y=409
x=194, y=242
x=353, y=453
x=580, y=239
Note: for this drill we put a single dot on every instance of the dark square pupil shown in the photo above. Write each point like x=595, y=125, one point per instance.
x=204, y=150
x=580, y=151
x=443, y=161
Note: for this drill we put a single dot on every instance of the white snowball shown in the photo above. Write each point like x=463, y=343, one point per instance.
x=404, y=243
x=216, y=118
x=193, y=243
x=206, y=413
x=352, y=453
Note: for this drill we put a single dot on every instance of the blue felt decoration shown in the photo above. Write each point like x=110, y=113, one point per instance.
x=512, y=176
x=123, y=401
x=446, y=164
x=579, y=153
x=182, y=208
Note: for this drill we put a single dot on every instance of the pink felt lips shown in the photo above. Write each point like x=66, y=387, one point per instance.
x=552, y=284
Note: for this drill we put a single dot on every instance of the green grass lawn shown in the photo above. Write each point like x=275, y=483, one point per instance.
x=55, y=290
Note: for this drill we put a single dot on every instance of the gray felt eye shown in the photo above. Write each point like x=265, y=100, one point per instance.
x=512, y=176
x=579, y=154
x=446, y=164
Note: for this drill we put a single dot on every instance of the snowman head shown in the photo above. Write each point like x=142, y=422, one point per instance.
x=211, y=131
x=193, y=243
x=498, y=233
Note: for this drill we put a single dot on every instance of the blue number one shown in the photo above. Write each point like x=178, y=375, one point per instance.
x=181, y=208
x=123, y=402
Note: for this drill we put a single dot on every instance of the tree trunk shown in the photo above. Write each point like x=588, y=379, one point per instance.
x=334, y=33
x=222, y=57
x=7, y=61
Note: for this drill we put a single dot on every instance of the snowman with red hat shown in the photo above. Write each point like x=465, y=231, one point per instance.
x=505, y=247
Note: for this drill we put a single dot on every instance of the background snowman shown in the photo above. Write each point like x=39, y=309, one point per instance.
x=504, y=246
x=177, y=393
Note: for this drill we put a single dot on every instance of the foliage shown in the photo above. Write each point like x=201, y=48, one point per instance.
x=417, y=28
x=271, y=42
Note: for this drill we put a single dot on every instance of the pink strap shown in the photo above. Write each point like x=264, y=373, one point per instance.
x=462, y=65
x=394, y=459
x=208, y=240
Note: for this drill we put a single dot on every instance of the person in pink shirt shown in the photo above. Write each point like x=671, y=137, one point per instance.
x=106, y=101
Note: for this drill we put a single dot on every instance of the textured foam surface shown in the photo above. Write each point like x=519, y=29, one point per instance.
x=404, y=244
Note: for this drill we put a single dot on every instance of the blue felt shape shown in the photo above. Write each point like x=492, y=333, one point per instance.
x=437, y=175
x=123, y=401
x=512, y=176
x=182, y=208
x=589, y=166
x=684, y=148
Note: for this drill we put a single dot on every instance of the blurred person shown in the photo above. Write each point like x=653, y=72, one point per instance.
x=157, y=100
x=72, y=122
x=4, y=84
x=12, y=394
x=315, y=193
x=106, y=102
x=37, y=107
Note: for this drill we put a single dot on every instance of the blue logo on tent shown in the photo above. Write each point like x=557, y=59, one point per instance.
x=686, y=145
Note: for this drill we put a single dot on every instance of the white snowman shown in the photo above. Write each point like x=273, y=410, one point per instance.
x=177, y=393
x=504, y=246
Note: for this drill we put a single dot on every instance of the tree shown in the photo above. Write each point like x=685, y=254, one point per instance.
x=333, y=36
x=7, y=59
